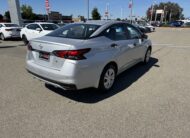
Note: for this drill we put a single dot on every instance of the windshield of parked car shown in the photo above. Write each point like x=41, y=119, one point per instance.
x=75, y=31
x=11, y=25
x=49, y=26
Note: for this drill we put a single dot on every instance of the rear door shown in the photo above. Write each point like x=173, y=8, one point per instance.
x=31, y=31
x=36, y=33
x=136, y=43
x=120, y=44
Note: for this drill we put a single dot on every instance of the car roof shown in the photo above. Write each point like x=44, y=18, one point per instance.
x=100, y=22
x=40, y=23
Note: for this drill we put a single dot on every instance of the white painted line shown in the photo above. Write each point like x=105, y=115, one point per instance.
x=172, y=45
x=163, y=44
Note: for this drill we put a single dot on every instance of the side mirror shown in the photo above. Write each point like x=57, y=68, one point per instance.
x=38, y=29
x=144, y=36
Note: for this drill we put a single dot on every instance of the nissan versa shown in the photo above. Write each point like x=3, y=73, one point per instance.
x=90, y=54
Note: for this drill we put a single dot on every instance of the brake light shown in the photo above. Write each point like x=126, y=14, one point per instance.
x=29, y=47
x=72, y=54
x=8, y=29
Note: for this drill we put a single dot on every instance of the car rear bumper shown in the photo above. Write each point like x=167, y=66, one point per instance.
x=76, y=78
x=55, y=83
x=11, y=36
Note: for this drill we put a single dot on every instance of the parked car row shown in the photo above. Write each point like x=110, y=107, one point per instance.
x=178, y=23
x=35, y=30
x=143, y=26
x=30, y=31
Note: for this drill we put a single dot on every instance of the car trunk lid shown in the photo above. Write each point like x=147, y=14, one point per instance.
x=13, y=30
x=43, y=48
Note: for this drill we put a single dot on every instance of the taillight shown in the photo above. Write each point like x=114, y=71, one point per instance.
x=72, y=54
x=29, y=47
x=8, y=29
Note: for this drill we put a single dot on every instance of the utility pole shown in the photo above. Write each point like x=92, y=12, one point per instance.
x=88, y=9
x=121, y=13
x=47, y=8
x=107, y=11
x=156, y=17
x=170, y=15
x=166, y=16
x=152, y=12
x=163, y=15
x=131, y=7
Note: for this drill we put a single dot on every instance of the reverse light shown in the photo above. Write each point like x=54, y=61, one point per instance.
x=72, y=54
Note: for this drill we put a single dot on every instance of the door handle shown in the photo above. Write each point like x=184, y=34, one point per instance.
x=114, y=45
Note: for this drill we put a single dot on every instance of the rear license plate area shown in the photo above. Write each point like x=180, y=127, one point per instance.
x=44, y=56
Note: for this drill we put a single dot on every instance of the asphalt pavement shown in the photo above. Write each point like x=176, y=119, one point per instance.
x=146, y=101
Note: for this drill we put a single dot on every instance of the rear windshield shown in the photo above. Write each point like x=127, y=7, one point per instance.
x=75, y=31
x=11, y=25
x=49, y=26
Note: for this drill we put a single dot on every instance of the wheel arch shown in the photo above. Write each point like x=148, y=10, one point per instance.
x=112, y=63
x=150, y=47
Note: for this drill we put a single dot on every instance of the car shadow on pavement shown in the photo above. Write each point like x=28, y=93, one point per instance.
x=123, y=81
x=7, y=47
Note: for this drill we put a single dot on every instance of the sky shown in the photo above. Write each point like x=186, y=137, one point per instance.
x=78, y=7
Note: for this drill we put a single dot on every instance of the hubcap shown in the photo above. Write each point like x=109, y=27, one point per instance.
x=148, y=55
x=109, y=78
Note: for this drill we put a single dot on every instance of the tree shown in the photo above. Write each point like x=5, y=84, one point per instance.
x=95, y=14
x=172, y=11
x=118, y=19
x=27, y=12
x=1, y=17
x=7, y=16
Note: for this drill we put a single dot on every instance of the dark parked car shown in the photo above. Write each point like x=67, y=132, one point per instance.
x=176, y=24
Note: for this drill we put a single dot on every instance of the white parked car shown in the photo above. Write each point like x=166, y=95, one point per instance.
x=9, y=30
x=35, y=30
x=150, y=27
x=90, y=54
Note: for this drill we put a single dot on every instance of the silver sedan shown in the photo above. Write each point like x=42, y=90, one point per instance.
x=90, y=54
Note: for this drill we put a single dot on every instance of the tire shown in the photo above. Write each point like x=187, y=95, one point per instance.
x=2, y=37
x=147, y=56
x=107, y=78
x=24, y=39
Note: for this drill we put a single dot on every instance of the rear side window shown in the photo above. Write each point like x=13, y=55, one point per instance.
x=133, y=32
x=117, y=32
x=75, y=31
x=33, y=26
x=49, y=26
